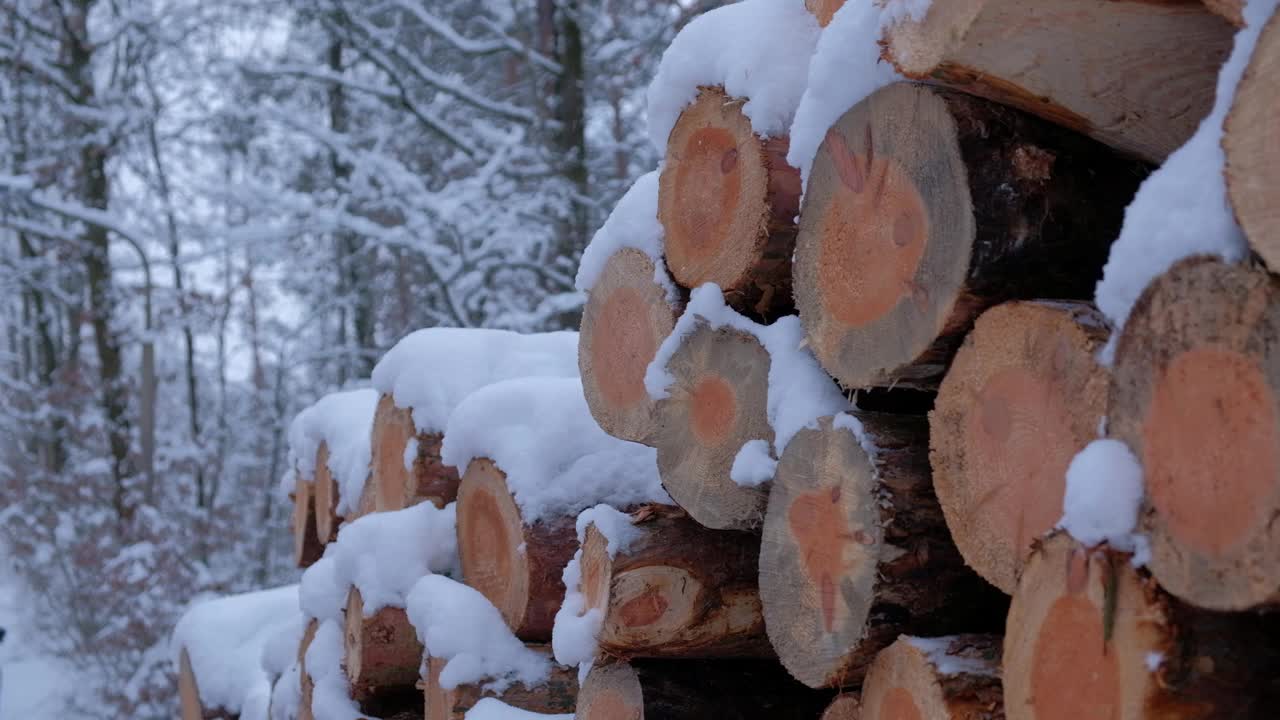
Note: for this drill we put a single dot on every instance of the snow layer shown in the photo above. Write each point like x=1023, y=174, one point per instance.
x=225, y=639
x=286, y=695
x=491, y=709
x=1104, y=493
x=753, y=466
x=330, y=699
x=320, y=594
x=455, y=622
x=280, y=651
x=384, y=554
x=757, y=49
x=573, y=636
x=343, y=421
x=558, y=461
x=1181, y=209
x=431, y=371
x=632, y=224
x=935, y=649
x=846, y=67
x=800, y=392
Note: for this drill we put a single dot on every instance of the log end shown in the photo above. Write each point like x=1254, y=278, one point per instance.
x=611, y=692
x=823, y=10
x=392, y=429
x=325, y=497
x=948, y=678
x=491, y=541
x=844, y=707
x=188, y=689
x=439, y=703
x=307, y=547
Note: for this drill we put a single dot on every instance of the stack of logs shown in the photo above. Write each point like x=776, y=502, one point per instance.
x=904, y=565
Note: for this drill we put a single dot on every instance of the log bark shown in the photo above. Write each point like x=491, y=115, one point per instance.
x=924, y=208
x=1025, y=393
x=304, y=677
x=189, y=694
x=1195, y=394
x=856, y=552
x=1253, y=159
x=325, y=498
x=307, y=547
x=1136, y=75
x=727, y=200
x=559, y=694
x=716, y=404
x=382, y=654
x=1089, y=636
x=696, y=690
x=956, y=677
x=516, y=565
x=398, y=480
x=676, y=589
x=627, y=316
x=846, y=706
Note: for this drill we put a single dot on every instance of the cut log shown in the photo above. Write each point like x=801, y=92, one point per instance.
x=948, y=678
x=325, y=498
x=304, y=677
x=627, y=316
x=1088, y=636
x=856, y=551
x=1023, y=396
x=716, y=404
x=926, y=207
x=307, y=547
x=406, y=467
x=727, y=200
x=695, y=690
x=677, y=589
x=1253, y=158
x=823, y=10
x=1136, y=75
x=1195, y=394
x=189, y=694
x=382, y=653
x=559, y=694
x=517, y=566
x=846, y=706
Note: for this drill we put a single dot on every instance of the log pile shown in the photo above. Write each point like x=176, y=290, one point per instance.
x=897, y=557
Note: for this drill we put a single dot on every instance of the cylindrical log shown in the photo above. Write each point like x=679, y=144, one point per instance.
x=1023, y=396
x=925, y=207
x=516, y=565
x=856, y=551
x=1253, y=158
x=559, y=694
x=382, y=653
x=1089, y=636
x=627, y=316
x=956, y=677
x=325, y=498
x=846, y=706
x=406, y=467
x=304, y=677
x=696, y=690
x=1158, y=61
x=716, y=404
x=677, y=589
x=307, y=547
x=727, y=200
x=189, y=694
x=1195, y=393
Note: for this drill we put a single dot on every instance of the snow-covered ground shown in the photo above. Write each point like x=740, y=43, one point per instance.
x=32, y=687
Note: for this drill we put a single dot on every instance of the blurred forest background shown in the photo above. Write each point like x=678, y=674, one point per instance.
x=212, y=213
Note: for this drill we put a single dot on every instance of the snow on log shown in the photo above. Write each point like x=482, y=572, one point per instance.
x=381, y=652
x=406, y=466
x=1251, y=151
x=189, y=694
x=329, y=445
x=1025, y=393
x=304, y=677
x=665, y=586
x=1158, y=62
x=325, y=498
x=728, y=201
x=556, y=694
x=534, y=459
x=695, y=690
x=307, y=547
x=846, y=706
x=924, y=207
x=629, y=312
x=946, y=678
x=1194, y=395
x=1089, y=636
x=855, y=550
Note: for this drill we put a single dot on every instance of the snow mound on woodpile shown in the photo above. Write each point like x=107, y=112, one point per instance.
x=383, y=554
x=557, y=460
x=225, y=639
x=757, y=50
x=343, y=421
x=800, y=391
x=1103, y=496
x=493, y=709
x=632, y=224
x=431, y=371
x=330, y=698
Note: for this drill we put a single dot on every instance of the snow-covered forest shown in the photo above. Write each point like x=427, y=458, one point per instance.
x=213, y=213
